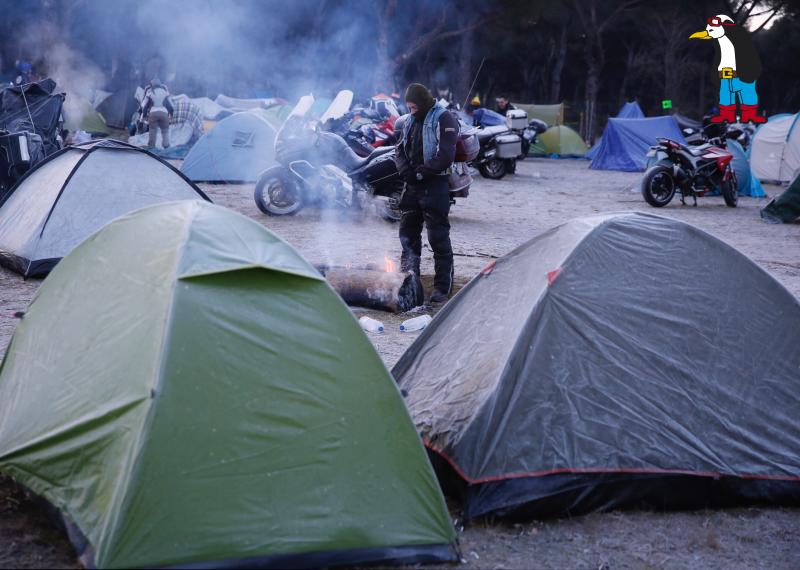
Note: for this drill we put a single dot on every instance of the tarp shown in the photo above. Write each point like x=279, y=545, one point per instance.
x=629, y=110
x=187, y=390
x=209, y=109
x=625, y=142
x=786, y=207
x=185, y=129
x=80, y=115
x=559, y=142
x=33, y=101
x=485, y=118
x=238, y=149
x=601, y=365
x=775, y=150
x=551, y=114
x=74, y=193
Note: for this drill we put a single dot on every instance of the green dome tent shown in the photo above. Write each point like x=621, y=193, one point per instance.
x=187, y=390
x=551, y=114
x=560, y=141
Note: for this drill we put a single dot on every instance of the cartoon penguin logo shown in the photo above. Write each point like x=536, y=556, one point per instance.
x=738, y=68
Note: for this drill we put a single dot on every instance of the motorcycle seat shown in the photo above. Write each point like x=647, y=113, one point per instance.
x=486, y=133
x=698, y=150
x=360, y=162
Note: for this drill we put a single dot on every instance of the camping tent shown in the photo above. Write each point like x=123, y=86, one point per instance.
x=629, y=110
x=599, y=365
x=80, y=115
x=786, y=207
x=74, y=193
x=551, y=114
x=625, y=142
x=775, y=150
x=237, y=149
x=749, y=185
x=188, y=391
x=559, y=141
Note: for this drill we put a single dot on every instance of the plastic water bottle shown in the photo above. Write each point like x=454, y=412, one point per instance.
x=415, y=324
x=370, y=325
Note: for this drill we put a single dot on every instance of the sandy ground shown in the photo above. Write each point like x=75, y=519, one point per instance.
x=498, y=216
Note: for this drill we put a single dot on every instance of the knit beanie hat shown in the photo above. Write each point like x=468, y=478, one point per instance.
x=421, y=97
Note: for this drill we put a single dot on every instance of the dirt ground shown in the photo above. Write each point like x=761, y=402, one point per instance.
x=498, y=216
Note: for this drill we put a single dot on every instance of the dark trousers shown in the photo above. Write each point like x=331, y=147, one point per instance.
x=427, y=202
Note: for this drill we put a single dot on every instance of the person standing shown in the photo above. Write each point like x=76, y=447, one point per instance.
x=157, y=110
x=503, y=105
x=424, y=159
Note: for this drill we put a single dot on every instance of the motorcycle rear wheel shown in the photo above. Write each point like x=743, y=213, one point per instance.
x=730, y=191
x=658, y=186
x=276, y=194
x=493, y=169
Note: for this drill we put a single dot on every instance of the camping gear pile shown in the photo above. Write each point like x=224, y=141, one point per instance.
x=30, y=120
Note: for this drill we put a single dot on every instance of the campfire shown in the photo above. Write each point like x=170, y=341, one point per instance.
x=375, y=286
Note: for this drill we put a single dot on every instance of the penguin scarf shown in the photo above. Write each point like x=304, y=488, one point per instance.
x=738, y=68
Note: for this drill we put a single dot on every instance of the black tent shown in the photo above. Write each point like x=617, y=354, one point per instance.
x=118, y=108
x=786, y=207
x=614, y=361
x=74, y=193
x=21, y=104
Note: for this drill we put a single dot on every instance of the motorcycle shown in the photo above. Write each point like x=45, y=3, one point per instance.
x=527, y=131
x=317, y=167
x=499, y=150
x=741, y=133
x=366, y=129
x=690, y=170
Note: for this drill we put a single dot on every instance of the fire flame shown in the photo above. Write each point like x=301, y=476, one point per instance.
x=389, y=266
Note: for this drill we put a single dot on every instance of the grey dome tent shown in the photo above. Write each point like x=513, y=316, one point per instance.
x=613, y=361
x=75, y=192
x=202, y=398
x=237, y=149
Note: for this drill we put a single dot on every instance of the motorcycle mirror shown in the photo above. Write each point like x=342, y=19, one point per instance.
x=688, y=131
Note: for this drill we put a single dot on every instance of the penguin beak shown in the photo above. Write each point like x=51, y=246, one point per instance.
x=700, y=36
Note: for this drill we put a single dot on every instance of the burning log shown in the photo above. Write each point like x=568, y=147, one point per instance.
x=372, y=288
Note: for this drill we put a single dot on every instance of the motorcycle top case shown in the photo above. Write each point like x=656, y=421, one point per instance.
x=467, y=147
x=516, y=119
x=508, y=146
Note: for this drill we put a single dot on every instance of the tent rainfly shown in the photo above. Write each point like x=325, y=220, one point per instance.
x=186, y=390
x=775, y=150
x=237, y=149
x=625, y=142
x=599, y=366
x=74, y=193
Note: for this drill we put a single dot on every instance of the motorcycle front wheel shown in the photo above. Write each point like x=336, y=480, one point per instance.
x=276, y=194
x=730, y=191
x=658, y=186
x=526, y=148
x=494, y=168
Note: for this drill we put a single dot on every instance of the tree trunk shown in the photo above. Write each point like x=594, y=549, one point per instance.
x=383, y=79
x=558, y=66
x=466, y=67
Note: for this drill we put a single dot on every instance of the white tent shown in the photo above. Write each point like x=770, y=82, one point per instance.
x=775, y=151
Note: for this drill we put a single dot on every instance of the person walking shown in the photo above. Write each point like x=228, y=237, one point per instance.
x=424, y=159
x=157, y=110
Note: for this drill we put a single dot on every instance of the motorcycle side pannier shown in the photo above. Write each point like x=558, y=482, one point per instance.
x=508, y=146
x=459, y=180
x=516, y=119
x=467, y=147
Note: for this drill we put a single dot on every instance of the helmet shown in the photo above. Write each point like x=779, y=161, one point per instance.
x=476, y=101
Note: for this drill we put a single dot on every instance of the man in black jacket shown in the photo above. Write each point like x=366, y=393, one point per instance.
x=424, y=157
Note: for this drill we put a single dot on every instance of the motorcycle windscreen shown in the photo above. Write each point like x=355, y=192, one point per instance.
x=303, y=106
x=339, y=106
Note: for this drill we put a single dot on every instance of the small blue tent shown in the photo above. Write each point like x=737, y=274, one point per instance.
x=237, y=149
x=625, y=142
x=630, y=110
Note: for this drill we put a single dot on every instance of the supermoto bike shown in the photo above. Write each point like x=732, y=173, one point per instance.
x=318, y=168
x=691, y=170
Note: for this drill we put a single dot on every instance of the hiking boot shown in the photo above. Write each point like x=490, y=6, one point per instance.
x=438, y=297
x=750, y=113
